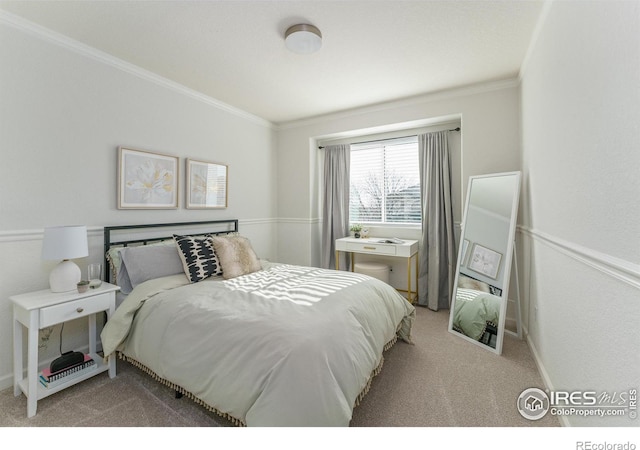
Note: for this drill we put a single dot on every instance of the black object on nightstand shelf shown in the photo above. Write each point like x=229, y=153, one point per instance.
x=67, y=359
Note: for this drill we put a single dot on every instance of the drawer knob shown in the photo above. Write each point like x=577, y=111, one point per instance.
x=369, y=248
x=80, y=310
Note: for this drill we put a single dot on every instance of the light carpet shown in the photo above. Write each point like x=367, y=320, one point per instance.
x=440, y=381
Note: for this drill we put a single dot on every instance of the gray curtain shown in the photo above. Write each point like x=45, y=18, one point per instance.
x=437, y=245
x=335, y=208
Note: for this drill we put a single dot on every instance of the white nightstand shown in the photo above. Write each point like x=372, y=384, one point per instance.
x=41, y=309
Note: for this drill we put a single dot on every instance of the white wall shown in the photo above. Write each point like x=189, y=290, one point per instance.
x=581, y=163
x=64, y=110
x=488, y=143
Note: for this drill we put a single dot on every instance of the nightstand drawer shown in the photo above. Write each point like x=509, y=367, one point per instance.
x=370, y=247
x=74, y=309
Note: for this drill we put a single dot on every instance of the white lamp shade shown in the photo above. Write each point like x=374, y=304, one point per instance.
x=303, y=39
x=65, y=242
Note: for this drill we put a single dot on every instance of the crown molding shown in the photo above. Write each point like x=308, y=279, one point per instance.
x=61, y=40
x=110, y=60
x=447, y=94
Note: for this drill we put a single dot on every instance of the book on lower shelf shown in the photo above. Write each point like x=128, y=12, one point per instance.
x=51, y=379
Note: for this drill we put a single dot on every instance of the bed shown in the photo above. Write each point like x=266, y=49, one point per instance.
x=477, y=310
x=257, y=342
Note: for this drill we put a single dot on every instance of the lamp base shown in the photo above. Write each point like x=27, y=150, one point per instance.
x=64, y=277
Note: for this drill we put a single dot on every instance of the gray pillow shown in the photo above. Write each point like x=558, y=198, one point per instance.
x=122, y=279
x=147, y=262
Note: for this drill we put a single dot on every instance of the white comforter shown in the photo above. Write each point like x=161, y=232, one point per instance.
x=285, y=346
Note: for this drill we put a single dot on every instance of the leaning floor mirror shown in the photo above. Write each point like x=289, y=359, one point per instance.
x=481, y=286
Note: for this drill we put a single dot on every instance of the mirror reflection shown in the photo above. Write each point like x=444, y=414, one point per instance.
x=481, y=289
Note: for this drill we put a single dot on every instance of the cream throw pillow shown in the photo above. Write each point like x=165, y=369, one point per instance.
x=236, y=256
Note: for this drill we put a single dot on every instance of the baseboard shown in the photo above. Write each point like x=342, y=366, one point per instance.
x=6, y=382
x=546, y=380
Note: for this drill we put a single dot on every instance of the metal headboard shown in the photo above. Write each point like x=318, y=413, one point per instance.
x=215, y=227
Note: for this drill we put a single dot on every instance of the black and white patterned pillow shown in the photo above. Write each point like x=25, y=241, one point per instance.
x=198, y=257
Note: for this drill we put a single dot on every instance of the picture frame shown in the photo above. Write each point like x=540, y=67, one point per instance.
x=207, y=185
x=147, y=180
x=485, y=261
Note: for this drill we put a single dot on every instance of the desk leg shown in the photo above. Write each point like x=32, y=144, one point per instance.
x=337, y=259
x=409, y=279
x=353, y=261
x=32, y=364
x=17, y=355
x=417, y=262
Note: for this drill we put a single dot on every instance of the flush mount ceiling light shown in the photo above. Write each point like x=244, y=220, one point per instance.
x=303, y=39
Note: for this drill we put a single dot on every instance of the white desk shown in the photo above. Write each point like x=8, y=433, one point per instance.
x=372, y=246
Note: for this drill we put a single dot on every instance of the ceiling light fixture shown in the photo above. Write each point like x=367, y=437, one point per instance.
x=303, y=39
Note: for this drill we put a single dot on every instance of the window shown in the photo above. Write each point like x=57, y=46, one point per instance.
x=385, y=182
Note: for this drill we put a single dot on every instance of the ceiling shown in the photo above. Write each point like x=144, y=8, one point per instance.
x=234, y=51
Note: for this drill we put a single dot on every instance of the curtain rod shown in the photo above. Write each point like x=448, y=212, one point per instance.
x=380, y=140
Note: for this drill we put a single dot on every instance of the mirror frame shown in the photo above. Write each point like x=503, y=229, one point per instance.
x=508, y=262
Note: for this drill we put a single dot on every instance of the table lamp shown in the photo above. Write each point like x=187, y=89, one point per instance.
x=65, y=243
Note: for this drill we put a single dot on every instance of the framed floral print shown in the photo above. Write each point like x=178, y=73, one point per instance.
x=147, y=180
x=206, y=185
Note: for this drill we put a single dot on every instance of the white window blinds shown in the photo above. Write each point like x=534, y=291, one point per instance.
x=385, y=182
